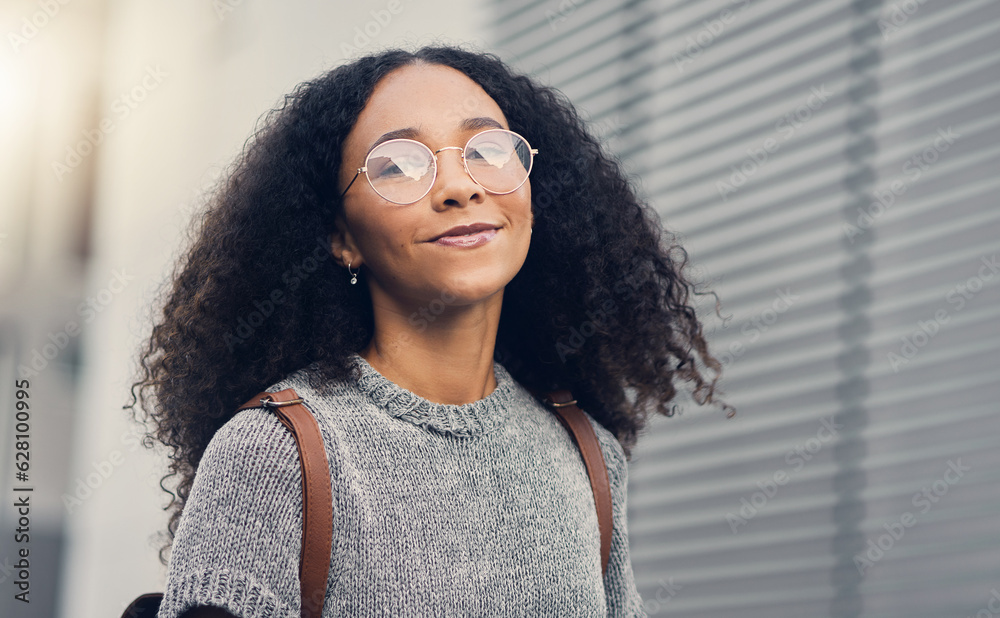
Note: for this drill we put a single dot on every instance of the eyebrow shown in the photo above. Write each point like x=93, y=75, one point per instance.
x=469, y=124
x=481, y=122
x=408, y=133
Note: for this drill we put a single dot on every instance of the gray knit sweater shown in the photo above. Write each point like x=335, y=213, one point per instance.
x=482, y=509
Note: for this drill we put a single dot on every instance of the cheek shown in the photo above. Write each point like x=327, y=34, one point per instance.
x=520, y=213
x=521, y=207
x=388, y=240
x=372, y=228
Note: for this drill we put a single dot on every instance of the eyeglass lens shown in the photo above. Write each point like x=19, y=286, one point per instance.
x=402, y=171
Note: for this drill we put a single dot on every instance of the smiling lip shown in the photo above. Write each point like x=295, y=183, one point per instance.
x=472, y=240
x=462, y=230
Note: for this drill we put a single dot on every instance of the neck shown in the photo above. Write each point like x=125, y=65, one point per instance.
x=445, y=358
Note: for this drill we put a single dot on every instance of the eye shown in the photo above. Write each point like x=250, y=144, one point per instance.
x=383, y=167
x=398, y=166
x=490, y=152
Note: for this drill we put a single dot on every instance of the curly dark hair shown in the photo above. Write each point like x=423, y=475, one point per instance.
x=600, y=305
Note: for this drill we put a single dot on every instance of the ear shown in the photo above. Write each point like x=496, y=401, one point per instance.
x=342, y=244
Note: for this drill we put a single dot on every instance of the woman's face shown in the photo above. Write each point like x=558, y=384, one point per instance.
x=437, y=106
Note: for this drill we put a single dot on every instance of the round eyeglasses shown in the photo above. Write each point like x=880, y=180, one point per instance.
x=403, y=171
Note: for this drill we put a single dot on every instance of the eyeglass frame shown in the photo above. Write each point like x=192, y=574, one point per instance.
x=434, y=153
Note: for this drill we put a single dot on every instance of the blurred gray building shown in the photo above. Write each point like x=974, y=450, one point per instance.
x=832, y=168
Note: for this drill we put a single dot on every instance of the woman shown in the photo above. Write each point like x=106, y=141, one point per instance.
x=338, y=260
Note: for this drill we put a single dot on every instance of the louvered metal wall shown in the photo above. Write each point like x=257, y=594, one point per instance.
x=833, y=168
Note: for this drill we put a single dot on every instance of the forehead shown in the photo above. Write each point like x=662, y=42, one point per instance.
x=431, y=98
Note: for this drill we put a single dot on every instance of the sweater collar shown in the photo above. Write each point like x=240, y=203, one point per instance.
x=471, y=419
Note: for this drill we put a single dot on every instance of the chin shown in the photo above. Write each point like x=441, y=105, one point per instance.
x=469, y=288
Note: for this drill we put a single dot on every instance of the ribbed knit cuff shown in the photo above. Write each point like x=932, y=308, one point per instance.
x=236, y=592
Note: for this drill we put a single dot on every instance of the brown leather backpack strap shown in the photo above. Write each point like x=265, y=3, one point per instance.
x=317, y=499
x=573, y=419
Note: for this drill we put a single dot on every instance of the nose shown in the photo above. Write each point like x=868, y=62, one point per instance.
x=453, y=185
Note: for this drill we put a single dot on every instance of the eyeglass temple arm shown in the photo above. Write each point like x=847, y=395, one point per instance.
x=356, y=174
